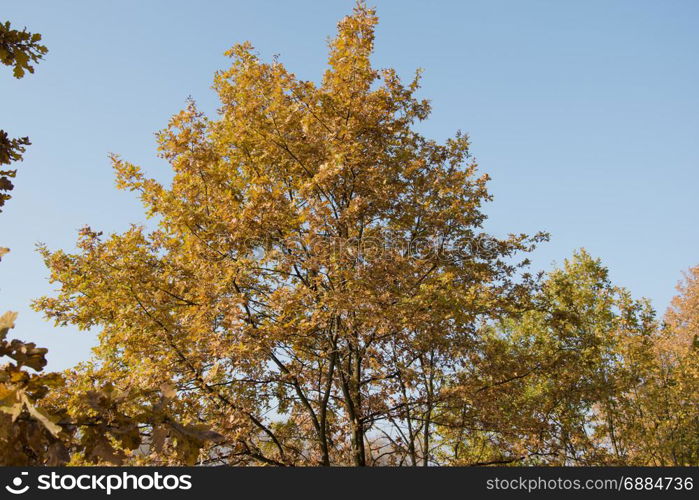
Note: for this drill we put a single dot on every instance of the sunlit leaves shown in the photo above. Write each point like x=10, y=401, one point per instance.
x=317, y=288
x=316, y=271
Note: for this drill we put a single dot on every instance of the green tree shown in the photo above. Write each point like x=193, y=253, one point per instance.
x=588, y=376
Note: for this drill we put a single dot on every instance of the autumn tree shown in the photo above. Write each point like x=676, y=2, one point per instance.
x=318, y=272
x=655, y=419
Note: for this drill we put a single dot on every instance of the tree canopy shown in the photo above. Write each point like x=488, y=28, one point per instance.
x=318, y=288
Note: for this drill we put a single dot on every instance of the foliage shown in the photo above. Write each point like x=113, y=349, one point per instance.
x=28, y=435
x=50, y=419
x=655, y=421
x=10, y=151
x=532, y=387
x=53, y=419
x=18, y=49
x=318, y=289
x=587, y=377
x=317, y=270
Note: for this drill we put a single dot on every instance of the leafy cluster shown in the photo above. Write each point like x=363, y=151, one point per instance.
x=586, y=377
x=18, y=49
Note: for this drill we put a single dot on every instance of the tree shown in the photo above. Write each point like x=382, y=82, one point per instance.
x=18, y=49
x=318, y=271
x=532, y=390
x=657, y=416
x=587, y=376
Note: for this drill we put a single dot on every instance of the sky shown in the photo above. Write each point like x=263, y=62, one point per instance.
x=585, y=115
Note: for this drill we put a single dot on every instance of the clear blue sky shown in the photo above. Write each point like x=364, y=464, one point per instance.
x=585, y=113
